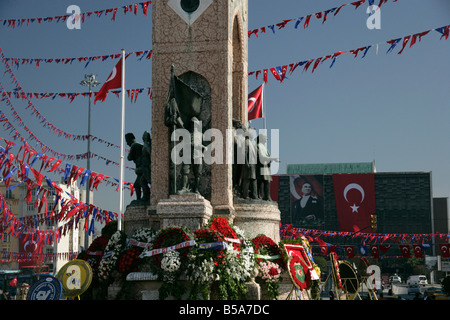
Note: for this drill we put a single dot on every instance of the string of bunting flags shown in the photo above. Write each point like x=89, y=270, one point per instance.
x=71, y=172
x=71, y=208
x=131, y=93
x=8, y=126
x=410, y=244
x=24, y=257
x=45, y=123
x=38, y=61
x=81, y=17
x=321, y=15
x=280, y=72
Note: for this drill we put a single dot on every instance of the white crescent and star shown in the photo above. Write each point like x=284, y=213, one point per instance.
x=112, y=76
x=252, y=102
x=357, y=187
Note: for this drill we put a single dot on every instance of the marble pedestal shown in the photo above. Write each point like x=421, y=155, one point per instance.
x=190, y=210
x=258, y=217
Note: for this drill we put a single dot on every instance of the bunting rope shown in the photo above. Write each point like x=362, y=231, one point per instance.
x=45, y=123
x=280, y=72
x=71, y=208
x=131, y=93
x=37, y=61
x=81, y=17
x=71, y=172
x=321, y=15
x=288, y=231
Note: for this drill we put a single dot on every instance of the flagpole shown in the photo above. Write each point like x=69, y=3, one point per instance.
x=122, y=135
x=264, y=107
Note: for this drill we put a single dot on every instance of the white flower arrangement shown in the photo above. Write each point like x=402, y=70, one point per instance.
x=170, y=264
x=111, y=255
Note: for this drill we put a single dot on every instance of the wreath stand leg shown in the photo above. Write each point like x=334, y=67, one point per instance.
x=290, y=293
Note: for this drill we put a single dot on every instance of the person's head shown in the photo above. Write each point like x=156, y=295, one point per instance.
x=306, y=189
x=262, y=138
x=146, y=136
x=129, y=138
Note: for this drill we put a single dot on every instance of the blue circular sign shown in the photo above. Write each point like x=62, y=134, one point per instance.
x=48, y=288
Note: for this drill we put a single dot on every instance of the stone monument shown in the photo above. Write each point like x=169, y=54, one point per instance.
x=202, y=45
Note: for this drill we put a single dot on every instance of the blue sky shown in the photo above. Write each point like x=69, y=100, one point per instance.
x=392, y=108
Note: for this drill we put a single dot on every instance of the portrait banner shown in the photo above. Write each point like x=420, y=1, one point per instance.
x=307, y=209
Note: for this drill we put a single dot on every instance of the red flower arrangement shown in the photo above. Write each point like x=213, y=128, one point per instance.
x=95, y=252
x=211, y=236
x=221, y=225
x=129, y=260
x=299, y=272
x=264, y=245
x=169, y=237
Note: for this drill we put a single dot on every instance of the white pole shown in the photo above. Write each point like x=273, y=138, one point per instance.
x=264, y=107
x=122, y=135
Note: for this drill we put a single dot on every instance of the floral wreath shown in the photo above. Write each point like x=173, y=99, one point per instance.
x=168, y=237
x=221, y=225
x=265, y=245
x=111, y=255
x=204, y=236
x=299, y=273
x=95, y=252
x=335, y=266
x=129, y=258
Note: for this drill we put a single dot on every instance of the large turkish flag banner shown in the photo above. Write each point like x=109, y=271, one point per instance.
x=355, y=201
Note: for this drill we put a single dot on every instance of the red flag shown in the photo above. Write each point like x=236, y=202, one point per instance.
x=405, y=251
x=384, y=247
x=31, y=251
x=13, y=282
x=255, y=105
x=114, y=81
x=323, y=246
x=418, y=251
x=350, y=251
x=375, y=251
x=355, y=201
x=445, y=250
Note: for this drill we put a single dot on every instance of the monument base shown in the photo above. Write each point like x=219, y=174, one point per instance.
x=258, y=217
x=135, y=217
x=189, y=210
x=145, y=286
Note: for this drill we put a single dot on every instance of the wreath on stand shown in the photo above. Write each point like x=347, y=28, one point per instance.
x=110, y=257
x=129, y=260
x=299, y=272
x=204, y=261
x=170, y=264
x=270, y=263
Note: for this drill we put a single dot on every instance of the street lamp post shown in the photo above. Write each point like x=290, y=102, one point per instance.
x=90, y=82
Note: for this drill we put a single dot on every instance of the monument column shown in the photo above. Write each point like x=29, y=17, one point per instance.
x=206, y=42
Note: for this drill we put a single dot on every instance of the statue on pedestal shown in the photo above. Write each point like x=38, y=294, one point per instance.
x=263, y=174
x=136, y=155
x=183, y=109
x=244, y=165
